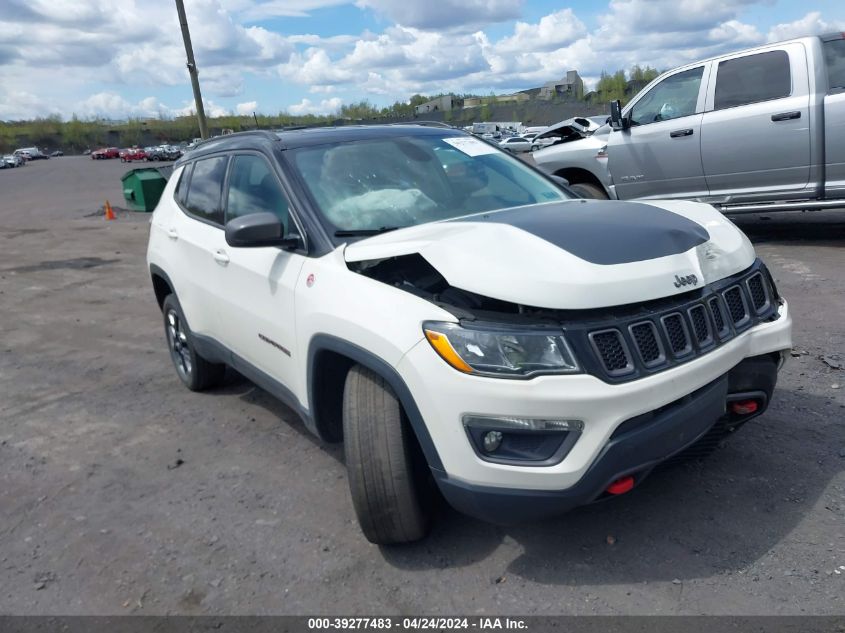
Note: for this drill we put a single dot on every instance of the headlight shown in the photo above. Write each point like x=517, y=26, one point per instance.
x=515, y=354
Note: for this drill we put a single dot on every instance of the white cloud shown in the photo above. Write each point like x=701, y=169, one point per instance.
x=306, y=106
x=255, y=11
x=550, y=33
x=247, y=108
x=444, y=14
x=810, y=24
x=19, y=105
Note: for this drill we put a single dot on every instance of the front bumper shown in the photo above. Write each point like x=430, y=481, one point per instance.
x=444, y=395
x=697, y=420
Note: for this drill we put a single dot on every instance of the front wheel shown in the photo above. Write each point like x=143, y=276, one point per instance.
x=194, y=371
x=392, y=490
x=589, y=190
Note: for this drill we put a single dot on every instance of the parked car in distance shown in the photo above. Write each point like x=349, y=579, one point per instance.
x=752, y=131
x=58, y=152
x=13, y=160
x=105, y=152
x=164, y=152
x=515, y=144
x=31, y=153
x=458, y=320
x=132, y=153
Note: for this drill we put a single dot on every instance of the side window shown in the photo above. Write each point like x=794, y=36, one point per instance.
x=752, y=78
x=672, y=98
x=834, y=55
x=254, y=188
x=206, y=187
x=181, y=192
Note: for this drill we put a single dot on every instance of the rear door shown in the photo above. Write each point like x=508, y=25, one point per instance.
x=755, y=135
x=196, y=234
x=660, y=155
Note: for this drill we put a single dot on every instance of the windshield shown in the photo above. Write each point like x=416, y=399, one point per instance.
x=385, y=183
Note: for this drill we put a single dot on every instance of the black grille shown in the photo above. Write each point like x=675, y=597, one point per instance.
x=611, y=350
x=700, y=326
x=676, y=332
x=645, y=339
x=718, y=318
x=628, y=342
x=736, y=306
x=757, y=290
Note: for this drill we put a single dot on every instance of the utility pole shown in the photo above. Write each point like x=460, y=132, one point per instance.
x=192, y=68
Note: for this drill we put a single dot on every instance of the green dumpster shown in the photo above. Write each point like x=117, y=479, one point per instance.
x=142, y=188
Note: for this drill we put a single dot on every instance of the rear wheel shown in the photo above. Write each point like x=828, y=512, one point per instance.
x=194, y=371
x=589, y=190
x=392, y=490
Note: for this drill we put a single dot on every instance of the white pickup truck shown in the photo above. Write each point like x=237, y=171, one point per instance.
x=758, y=130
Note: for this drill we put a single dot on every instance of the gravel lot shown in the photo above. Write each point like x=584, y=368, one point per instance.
x=122, y=492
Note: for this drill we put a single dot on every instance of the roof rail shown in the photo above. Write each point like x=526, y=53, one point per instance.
x=425, y=124
x=265, y=133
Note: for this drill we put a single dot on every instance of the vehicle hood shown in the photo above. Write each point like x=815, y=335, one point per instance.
x=578, y=254
x=569, y=130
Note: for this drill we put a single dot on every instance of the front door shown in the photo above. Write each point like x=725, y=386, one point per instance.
x=659, y=156
x=258, y=283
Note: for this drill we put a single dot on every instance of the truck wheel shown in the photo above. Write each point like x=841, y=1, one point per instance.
x=589, y=190
x=194, y=371
x=391, y=488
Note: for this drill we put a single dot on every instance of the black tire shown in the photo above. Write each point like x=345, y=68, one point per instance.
x=589, y=190
x=392, y=490
x=193, y=370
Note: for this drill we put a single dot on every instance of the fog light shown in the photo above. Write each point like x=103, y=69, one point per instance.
x=521, y=441
x=491, y=441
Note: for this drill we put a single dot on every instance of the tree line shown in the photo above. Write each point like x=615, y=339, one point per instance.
x=77, y=134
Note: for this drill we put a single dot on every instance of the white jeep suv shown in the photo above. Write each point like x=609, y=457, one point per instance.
x=462, y=322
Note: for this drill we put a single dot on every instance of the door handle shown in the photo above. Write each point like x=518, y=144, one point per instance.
x=786, y=116
x=221, y=257
x=172, y=234
x=677, y=133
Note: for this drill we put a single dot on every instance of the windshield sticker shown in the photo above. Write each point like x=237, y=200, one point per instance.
x=470, y=146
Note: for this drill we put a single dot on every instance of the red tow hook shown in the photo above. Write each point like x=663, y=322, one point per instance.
x=621, y=486
x=744, y=407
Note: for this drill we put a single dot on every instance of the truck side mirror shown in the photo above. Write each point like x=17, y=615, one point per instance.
x=617, y=121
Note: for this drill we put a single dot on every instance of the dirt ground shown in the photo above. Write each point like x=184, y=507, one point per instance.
x=122, y=492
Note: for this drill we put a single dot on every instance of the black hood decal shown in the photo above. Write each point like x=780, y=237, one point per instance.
x=605, y=232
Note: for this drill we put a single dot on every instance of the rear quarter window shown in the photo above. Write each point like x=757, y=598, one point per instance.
x=753, y=78
x=181, y=193
x=205, y=191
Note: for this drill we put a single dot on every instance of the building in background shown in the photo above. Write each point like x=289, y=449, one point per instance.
x=440, y=104
x=571, y=86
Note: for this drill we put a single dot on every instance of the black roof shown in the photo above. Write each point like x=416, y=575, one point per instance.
x=291, y=139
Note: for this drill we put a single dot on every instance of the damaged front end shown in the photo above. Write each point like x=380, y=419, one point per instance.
x=616, y=344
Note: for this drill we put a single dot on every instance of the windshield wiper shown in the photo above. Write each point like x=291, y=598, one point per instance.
x=364, y=232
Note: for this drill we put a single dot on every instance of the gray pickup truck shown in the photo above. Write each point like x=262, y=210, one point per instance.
x=758, y=130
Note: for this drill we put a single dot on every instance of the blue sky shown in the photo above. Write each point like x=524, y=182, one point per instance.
x=121, y=58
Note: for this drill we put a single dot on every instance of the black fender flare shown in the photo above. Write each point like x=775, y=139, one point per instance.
x=327, y=342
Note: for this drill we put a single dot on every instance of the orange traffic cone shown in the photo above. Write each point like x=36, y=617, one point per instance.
x=109, y=212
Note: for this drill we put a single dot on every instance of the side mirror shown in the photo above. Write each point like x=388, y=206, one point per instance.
x=259, y=229
x=563, y=182
x=617, y=121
